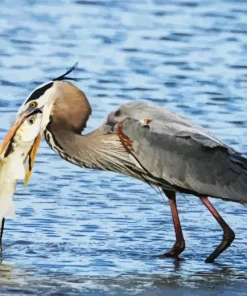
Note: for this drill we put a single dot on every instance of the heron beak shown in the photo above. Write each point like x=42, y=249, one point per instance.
x=33, y=151
x=32, y=155
x=12, y=131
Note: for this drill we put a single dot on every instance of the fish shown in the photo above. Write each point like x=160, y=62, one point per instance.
x=17, y=154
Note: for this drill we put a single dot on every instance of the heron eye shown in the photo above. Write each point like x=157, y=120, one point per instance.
x=33, y=104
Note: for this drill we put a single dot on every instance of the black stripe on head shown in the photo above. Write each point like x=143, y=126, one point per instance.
x=37, y=93
x=44, y=87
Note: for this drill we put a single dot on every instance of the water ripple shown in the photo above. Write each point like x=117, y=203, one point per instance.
x=80, y=231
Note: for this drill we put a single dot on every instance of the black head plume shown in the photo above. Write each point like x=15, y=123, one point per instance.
x=62, y=77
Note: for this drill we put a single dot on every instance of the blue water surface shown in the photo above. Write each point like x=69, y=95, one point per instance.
x=84, y=232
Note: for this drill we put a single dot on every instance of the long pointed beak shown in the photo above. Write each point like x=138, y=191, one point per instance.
x=12, y=131
x=33, y=151
x=32, y=155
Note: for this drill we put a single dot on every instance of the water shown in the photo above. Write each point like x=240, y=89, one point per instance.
x=97, y=233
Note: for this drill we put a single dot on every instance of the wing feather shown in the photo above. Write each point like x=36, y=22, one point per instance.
x=180, y=152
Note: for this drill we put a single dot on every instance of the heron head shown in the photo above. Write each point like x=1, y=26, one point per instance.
x=41, y=99
x=62, y=104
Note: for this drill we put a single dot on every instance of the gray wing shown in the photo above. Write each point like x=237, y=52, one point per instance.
x=170, y=121
x=181, y=153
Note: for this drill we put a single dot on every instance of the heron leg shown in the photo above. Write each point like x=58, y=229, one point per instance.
x=179, y=245
x=228, y=233
x=1, y=234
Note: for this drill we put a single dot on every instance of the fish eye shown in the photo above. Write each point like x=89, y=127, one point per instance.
x=33, y=104
x=118, y=113
x=31, y=121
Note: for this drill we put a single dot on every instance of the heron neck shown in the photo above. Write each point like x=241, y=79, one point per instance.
x=93, y=150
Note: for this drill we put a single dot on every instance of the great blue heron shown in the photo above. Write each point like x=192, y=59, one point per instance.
x=149, y=143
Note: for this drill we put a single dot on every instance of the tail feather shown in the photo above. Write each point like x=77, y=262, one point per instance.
x=234, y=180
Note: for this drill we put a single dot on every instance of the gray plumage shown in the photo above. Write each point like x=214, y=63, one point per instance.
x=183, y=154
x=149, y=143
x=170, y=151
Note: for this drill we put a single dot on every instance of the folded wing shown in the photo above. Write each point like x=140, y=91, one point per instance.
x=185, y=155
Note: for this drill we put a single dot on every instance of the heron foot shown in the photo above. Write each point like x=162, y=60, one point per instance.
x=179, y=245
x=171, y=255
x=228, y=238
x=228, y=233
x=176, y=250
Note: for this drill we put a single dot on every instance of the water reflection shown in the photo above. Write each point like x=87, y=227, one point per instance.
x=221, y=277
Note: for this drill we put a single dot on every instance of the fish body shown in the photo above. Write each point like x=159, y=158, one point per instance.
x=14, y=161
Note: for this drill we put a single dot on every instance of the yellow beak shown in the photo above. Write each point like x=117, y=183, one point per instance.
x=32, y=155
x=11, y=133
x=33, y=151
